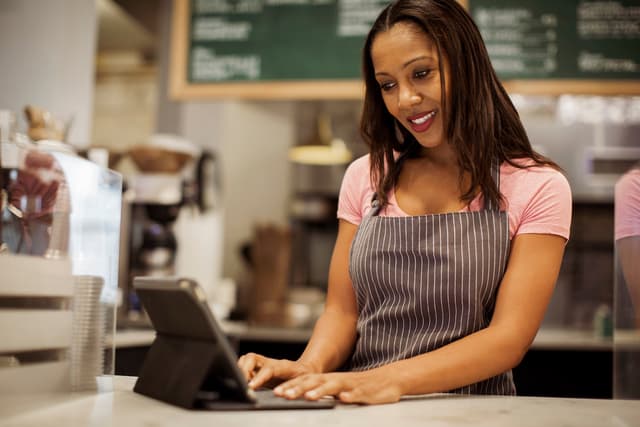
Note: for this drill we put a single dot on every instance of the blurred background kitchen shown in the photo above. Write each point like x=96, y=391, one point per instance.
x=241, y=193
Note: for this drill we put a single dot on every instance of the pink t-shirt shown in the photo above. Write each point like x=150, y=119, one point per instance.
x=538, y=199
x=627, y=205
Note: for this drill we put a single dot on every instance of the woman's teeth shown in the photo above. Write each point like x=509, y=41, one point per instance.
x=423, y=119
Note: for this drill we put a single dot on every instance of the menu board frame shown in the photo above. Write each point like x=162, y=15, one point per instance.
x=180, y=88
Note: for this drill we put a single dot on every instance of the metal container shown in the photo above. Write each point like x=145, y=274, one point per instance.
x=318, y=169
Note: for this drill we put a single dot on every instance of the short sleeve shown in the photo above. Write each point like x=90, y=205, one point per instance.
x=355, y=191
x=627, y=205
x=548, y=210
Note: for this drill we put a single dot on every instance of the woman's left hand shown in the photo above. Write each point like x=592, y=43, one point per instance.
x=374, y=386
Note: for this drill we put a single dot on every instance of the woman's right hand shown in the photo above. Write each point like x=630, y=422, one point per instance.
x=260, y=370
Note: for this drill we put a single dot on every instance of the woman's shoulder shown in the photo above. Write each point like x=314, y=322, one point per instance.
x=538, y=198
x=525, y=171
x=361, y=163
x=358, y=171
x=526, y=181
x=525, y=164
x=630, y=181
x=355, y=192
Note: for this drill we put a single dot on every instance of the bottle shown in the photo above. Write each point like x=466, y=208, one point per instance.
x=603, y=322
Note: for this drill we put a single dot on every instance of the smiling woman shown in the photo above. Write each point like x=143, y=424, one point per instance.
x=407, y=69
x=452, y=229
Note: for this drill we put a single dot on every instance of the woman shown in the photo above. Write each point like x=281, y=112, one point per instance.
x=452, y=230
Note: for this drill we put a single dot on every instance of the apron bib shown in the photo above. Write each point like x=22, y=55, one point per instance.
x=422, y=282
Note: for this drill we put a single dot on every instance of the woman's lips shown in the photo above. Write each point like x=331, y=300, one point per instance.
x=421, y=122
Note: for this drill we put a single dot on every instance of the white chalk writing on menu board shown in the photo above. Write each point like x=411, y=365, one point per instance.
x=251, y=39
x=561, y=39
x=311, y=49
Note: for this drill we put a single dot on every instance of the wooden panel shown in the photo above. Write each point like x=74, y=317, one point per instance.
x=37, y=377
x=24, y=275
x=31, y=330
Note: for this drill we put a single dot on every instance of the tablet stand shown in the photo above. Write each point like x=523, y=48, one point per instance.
x=175, y=369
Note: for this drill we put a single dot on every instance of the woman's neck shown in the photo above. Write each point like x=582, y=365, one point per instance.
x=443, y=157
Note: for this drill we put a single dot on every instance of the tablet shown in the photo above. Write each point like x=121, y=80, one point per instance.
x=191, y=363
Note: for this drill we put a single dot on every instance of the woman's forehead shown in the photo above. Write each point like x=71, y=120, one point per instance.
x=402, y=38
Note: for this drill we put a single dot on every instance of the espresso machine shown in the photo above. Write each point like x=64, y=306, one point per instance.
x=154, y=195
x=170, y=213
x=153, y=202
x=153, y=214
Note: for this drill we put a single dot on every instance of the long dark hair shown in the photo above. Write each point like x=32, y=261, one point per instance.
x=480, y=119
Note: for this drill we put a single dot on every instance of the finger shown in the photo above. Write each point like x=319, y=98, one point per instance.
x=297, y=387
x=261, y=377
x=352, y=396
x=247, y=364
x=332, y=387
x=317, y=389
x=282, y=388
x=312, y=387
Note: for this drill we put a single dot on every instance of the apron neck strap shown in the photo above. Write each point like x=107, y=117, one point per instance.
x=495, y=174
x=375, y=205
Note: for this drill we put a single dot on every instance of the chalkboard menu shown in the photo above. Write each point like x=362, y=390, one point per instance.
x=282, y=42
x=278, y=39
x=569, y=39
x=312, y=48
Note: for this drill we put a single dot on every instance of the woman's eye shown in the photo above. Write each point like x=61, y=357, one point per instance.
x=387, y=86
x=421, y=74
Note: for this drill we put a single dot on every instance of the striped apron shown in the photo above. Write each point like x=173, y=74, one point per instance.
x=422, y=282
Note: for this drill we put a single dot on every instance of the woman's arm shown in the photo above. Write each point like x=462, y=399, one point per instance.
x=523, y=296
x=334, y=333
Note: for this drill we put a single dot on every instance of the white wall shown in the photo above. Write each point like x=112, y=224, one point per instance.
x=169, y=111
x=47, y=50
x=252, y=140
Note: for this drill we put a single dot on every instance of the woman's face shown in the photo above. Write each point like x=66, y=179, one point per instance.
x=405, y=63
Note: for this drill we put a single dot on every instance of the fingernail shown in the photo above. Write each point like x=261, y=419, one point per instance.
x=252, y=383
x=311, y=394
x=278, y=389
x=291, y=392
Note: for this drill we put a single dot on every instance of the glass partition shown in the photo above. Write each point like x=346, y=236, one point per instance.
x=59, y=249
x=626, y=375
x=96, y=196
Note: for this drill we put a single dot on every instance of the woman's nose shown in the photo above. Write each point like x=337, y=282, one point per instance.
x=408, y=97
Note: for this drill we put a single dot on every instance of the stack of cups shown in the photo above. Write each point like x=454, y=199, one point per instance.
x=87, y=346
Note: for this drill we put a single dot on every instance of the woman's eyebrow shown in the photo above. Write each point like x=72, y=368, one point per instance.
x=419, y=58
x=406, y=64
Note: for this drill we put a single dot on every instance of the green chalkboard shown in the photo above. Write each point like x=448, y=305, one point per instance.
x=272, y=40
x=311, y=49
x=561, y=39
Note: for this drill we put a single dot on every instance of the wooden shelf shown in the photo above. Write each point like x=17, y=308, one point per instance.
x=33, y=330
x=30, y=276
